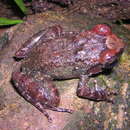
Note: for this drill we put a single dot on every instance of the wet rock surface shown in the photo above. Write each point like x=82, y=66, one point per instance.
x=16, y=113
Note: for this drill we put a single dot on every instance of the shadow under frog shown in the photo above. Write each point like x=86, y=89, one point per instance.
x=55, y=54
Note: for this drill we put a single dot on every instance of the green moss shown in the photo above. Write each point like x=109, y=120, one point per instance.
x=84, y=121
x=125, y=58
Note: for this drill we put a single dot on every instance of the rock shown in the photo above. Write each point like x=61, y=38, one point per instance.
x=16, y=113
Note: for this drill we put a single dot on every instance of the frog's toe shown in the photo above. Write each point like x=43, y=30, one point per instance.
x=61, y=109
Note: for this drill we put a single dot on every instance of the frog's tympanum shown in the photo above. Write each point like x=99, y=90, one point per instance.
x=54, y=54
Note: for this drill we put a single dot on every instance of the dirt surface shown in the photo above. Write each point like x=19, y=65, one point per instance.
x=113, y=10
x=18, y=114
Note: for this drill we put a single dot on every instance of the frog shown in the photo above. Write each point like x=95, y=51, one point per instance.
x=56, y=54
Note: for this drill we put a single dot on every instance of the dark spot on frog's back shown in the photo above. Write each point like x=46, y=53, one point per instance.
x=65, y=55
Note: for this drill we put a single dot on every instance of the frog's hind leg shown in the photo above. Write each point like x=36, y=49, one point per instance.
x=40, y=92
x=96, y=93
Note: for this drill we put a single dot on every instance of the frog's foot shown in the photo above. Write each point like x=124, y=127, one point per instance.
x=95, y=93
x=40, y=92
x=60, y=109
x=40, y=107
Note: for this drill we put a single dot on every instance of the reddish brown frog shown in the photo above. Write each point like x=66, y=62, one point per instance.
x=55, y=54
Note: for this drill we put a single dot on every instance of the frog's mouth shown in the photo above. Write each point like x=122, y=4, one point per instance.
x=110, y=56
x=112, y=61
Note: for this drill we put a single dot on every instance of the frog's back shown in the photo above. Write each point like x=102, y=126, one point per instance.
x=51, y=58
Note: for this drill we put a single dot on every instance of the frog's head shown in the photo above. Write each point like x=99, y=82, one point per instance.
x=114, y=45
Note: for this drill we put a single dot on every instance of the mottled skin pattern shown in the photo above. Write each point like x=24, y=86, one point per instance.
x=54, y=54
x=43, y=5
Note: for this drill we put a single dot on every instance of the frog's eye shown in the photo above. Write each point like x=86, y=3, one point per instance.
x=107, y=56
x=102, y=29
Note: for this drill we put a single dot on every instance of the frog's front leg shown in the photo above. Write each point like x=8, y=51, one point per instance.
x=38, y=38
x=96, y=93
x=40, y=92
